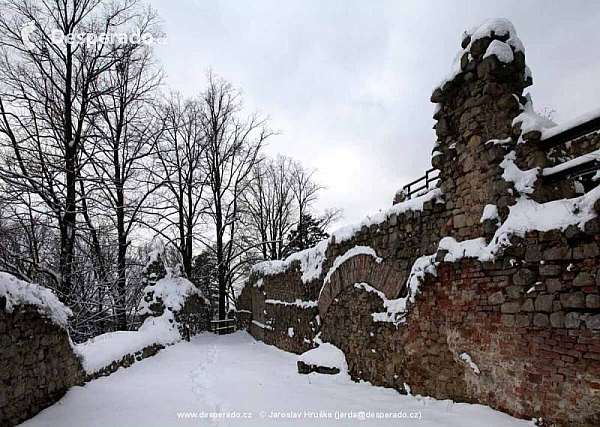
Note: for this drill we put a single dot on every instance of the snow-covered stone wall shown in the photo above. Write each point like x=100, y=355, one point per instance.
x=37, y=361
x=178, y=296
x=284, y=309
x=485, y=289
x=529, y=321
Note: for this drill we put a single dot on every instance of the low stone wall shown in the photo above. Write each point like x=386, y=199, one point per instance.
x=37, y=363
x=284, y=310
x=125, y=362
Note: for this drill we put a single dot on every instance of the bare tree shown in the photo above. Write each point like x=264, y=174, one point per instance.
x=306, y=190
x=279, y=202
x=179, y=160
x=124, y=141
x=269, y=205
x=47, y=99
x=27, y=239
x=232, y=150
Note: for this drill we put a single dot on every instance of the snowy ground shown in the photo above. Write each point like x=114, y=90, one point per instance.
x=234, y=373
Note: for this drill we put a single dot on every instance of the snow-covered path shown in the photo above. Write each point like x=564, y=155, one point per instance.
x=235, y=373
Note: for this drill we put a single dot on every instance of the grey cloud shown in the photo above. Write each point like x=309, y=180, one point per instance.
x=348, y=82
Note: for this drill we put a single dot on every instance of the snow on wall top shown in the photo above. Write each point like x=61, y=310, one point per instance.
x=523, y=180
x=532, y=121
x=502, y=51
x=104, y=349
x=594, y=155
x=18, y=292
x=356, y=250
x=311, y=263
x=416, y=204
x=311, y=260
x=499, y=27
x=594, y=114
x=526, y=215
x=172, y=291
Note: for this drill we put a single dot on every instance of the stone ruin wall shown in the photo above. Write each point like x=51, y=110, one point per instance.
x=530, y=321
x=579, y=146
x=125, y=362
x=193, y=318
x=37, y=363
x=294, y=308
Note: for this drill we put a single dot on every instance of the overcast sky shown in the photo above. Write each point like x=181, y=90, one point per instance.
x=348, y=82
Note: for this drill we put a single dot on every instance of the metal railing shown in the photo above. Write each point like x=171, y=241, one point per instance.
x=571, y=134
x=582, y=166
x=418, y=185
x=222, y=327
x=578, y=169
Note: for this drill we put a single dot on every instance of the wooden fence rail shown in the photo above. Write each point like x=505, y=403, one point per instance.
x=222, y=327
x=421, y=184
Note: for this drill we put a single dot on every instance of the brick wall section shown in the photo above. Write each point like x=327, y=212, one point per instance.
x=37, y=364
x=530, y=321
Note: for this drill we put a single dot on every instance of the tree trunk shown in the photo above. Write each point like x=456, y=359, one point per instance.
x=67, y=228
x=121, y=263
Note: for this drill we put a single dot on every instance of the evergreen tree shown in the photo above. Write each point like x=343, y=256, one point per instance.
x=308, y=233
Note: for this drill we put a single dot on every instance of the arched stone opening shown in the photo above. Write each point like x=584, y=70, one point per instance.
x=361, y=268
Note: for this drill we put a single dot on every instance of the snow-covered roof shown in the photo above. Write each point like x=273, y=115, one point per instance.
x=18, y=292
